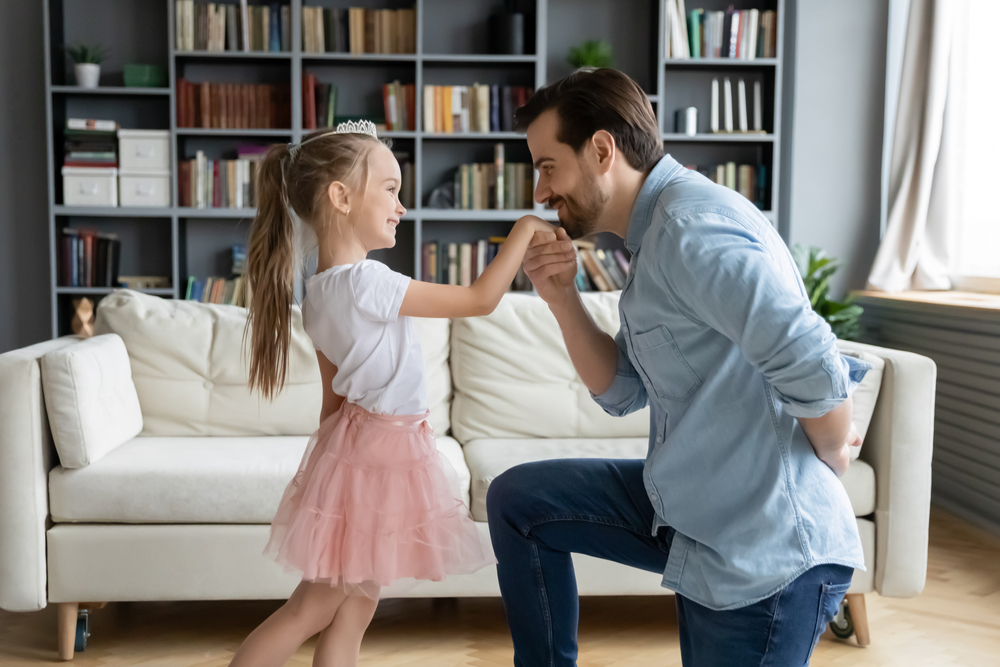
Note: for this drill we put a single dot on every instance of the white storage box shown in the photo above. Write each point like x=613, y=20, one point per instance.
x=144, y=188
x=90, y=186
x=143, y=150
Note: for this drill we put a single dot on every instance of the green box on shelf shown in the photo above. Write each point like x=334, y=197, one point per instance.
x=145, y=76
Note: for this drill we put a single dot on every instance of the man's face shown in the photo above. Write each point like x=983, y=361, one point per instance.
x=567, y=181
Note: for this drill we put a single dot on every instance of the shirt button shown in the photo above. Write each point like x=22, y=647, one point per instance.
x=208, y=384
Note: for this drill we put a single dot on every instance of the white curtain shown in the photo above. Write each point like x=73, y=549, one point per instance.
x=925, y=167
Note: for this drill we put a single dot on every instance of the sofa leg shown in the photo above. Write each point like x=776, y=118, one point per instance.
x=67, y=629
x=859, y=614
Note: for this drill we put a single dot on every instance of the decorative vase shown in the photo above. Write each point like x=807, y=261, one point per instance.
x=506, y=32
x=87, y=74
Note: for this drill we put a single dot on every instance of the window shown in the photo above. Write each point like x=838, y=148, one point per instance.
x=976, y=261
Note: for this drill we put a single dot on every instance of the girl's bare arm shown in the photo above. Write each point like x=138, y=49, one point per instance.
x=481, y=298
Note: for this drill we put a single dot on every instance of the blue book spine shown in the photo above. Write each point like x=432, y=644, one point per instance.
x=275, y=28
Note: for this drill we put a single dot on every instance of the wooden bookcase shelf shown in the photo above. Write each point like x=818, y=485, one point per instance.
x=451, y=38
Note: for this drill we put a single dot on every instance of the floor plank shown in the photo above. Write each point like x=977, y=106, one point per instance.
x=955, y=621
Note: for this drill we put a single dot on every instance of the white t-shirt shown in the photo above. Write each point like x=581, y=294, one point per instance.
x=351, y=314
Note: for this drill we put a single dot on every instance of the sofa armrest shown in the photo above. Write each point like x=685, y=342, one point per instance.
x=899, y=446
x=26, y=456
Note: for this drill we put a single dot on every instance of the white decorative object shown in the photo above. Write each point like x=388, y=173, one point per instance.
x=91, y=400
x=90, y=186
x=758, y=116
x=143, y=150
x=359, y=127
x=691, y=121
x=88, y=75
x=715, y=105
x=742, y=92
x=144, y=188
x=727, y=94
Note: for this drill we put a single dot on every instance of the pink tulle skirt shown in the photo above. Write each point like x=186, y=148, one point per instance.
x=374, y=502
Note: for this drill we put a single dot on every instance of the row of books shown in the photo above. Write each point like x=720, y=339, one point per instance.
x=462, y=263
x=88, y=258
x=744, y=35
x=358, y=30
x=749, y=180
x=475, y=108
x=598, y=269
x=90, y=143
x=206, y=183
x=223, y=291
x=493, y=185
x=233, y=105
x=231, y=27
x=319, y=103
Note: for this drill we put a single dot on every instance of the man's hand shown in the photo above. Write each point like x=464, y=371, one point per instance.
x=550, y=263
x=832, y=436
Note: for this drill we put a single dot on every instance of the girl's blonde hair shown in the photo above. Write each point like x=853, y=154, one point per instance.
x=295, y=178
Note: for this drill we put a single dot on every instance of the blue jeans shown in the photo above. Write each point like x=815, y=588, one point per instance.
x=540, y=513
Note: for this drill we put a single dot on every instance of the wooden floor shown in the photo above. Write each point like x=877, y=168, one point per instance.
x=956, y=621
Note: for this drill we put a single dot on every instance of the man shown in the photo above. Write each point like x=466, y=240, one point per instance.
x=738, y=502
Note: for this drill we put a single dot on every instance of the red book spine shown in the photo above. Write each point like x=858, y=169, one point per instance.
x=411, y=106
x=184, y=183
x=309, y=103
x=192, y=104
x=206, y=107
x=216, y=186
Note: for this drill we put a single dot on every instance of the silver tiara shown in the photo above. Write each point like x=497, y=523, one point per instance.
x=359, y=127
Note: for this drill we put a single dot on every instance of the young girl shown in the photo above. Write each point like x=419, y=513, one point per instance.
x=372, y=501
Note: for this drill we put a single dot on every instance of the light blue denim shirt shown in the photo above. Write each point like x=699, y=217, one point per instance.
x=718, y=338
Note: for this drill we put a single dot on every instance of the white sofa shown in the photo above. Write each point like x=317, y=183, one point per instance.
x=181, y=512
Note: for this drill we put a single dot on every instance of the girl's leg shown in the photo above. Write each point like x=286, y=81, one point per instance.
x=311, y=608
x=340, y=643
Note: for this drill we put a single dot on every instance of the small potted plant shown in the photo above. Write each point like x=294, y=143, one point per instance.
x=816, y=270
x=593, y=53
x=87, y=64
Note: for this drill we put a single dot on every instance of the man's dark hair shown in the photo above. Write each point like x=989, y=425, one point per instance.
x=589, y=100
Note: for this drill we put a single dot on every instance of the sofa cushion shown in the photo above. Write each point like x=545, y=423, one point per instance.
x=487, y=459
x=514, y=379
x=91, y=400
x=866, y=395
x=191, y=377
x=191, y=480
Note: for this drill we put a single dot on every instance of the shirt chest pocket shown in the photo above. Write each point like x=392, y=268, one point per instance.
x=662, y=365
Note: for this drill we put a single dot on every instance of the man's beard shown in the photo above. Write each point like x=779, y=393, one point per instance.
x=581, y=210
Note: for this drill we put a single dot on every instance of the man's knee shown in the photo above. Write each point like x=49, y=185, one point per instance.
x=509, y=491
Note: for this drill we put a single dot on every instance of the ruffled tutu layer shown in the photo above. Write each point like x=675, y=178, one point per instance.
x=374, y=502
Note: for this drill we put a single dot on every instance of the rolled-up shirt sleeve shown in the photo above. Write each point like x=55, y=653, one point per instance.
x=722, y=275
x=627, y=393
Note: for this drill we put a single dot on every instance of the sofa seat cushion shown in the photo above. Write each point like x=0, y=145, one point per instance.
x=487, y=459
x=191, y=480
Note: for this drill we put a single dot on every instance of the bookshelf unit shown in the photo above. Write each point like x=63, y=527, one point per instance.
x=451, y=39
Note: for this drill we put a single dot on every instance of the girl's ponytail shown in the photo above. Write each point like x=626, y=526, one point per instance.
x=270, y=276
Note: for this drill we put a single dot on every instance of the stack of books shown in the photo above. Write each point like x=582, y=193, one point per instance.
x=90, y=143
x=232, y=291
x=358, y=30
x=462, y=263
x=88, y=258
x=232, y=27
x=749, y=180
x=233, y=105
x=599, y=269
x=745, y=34
x=207, y=183
x=475, y=108
x=319, y=103
x=493, y=185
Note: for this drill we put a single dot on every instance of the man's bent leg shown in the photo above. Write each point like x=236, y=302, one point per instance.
x=779, y=631
x=541, y=512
